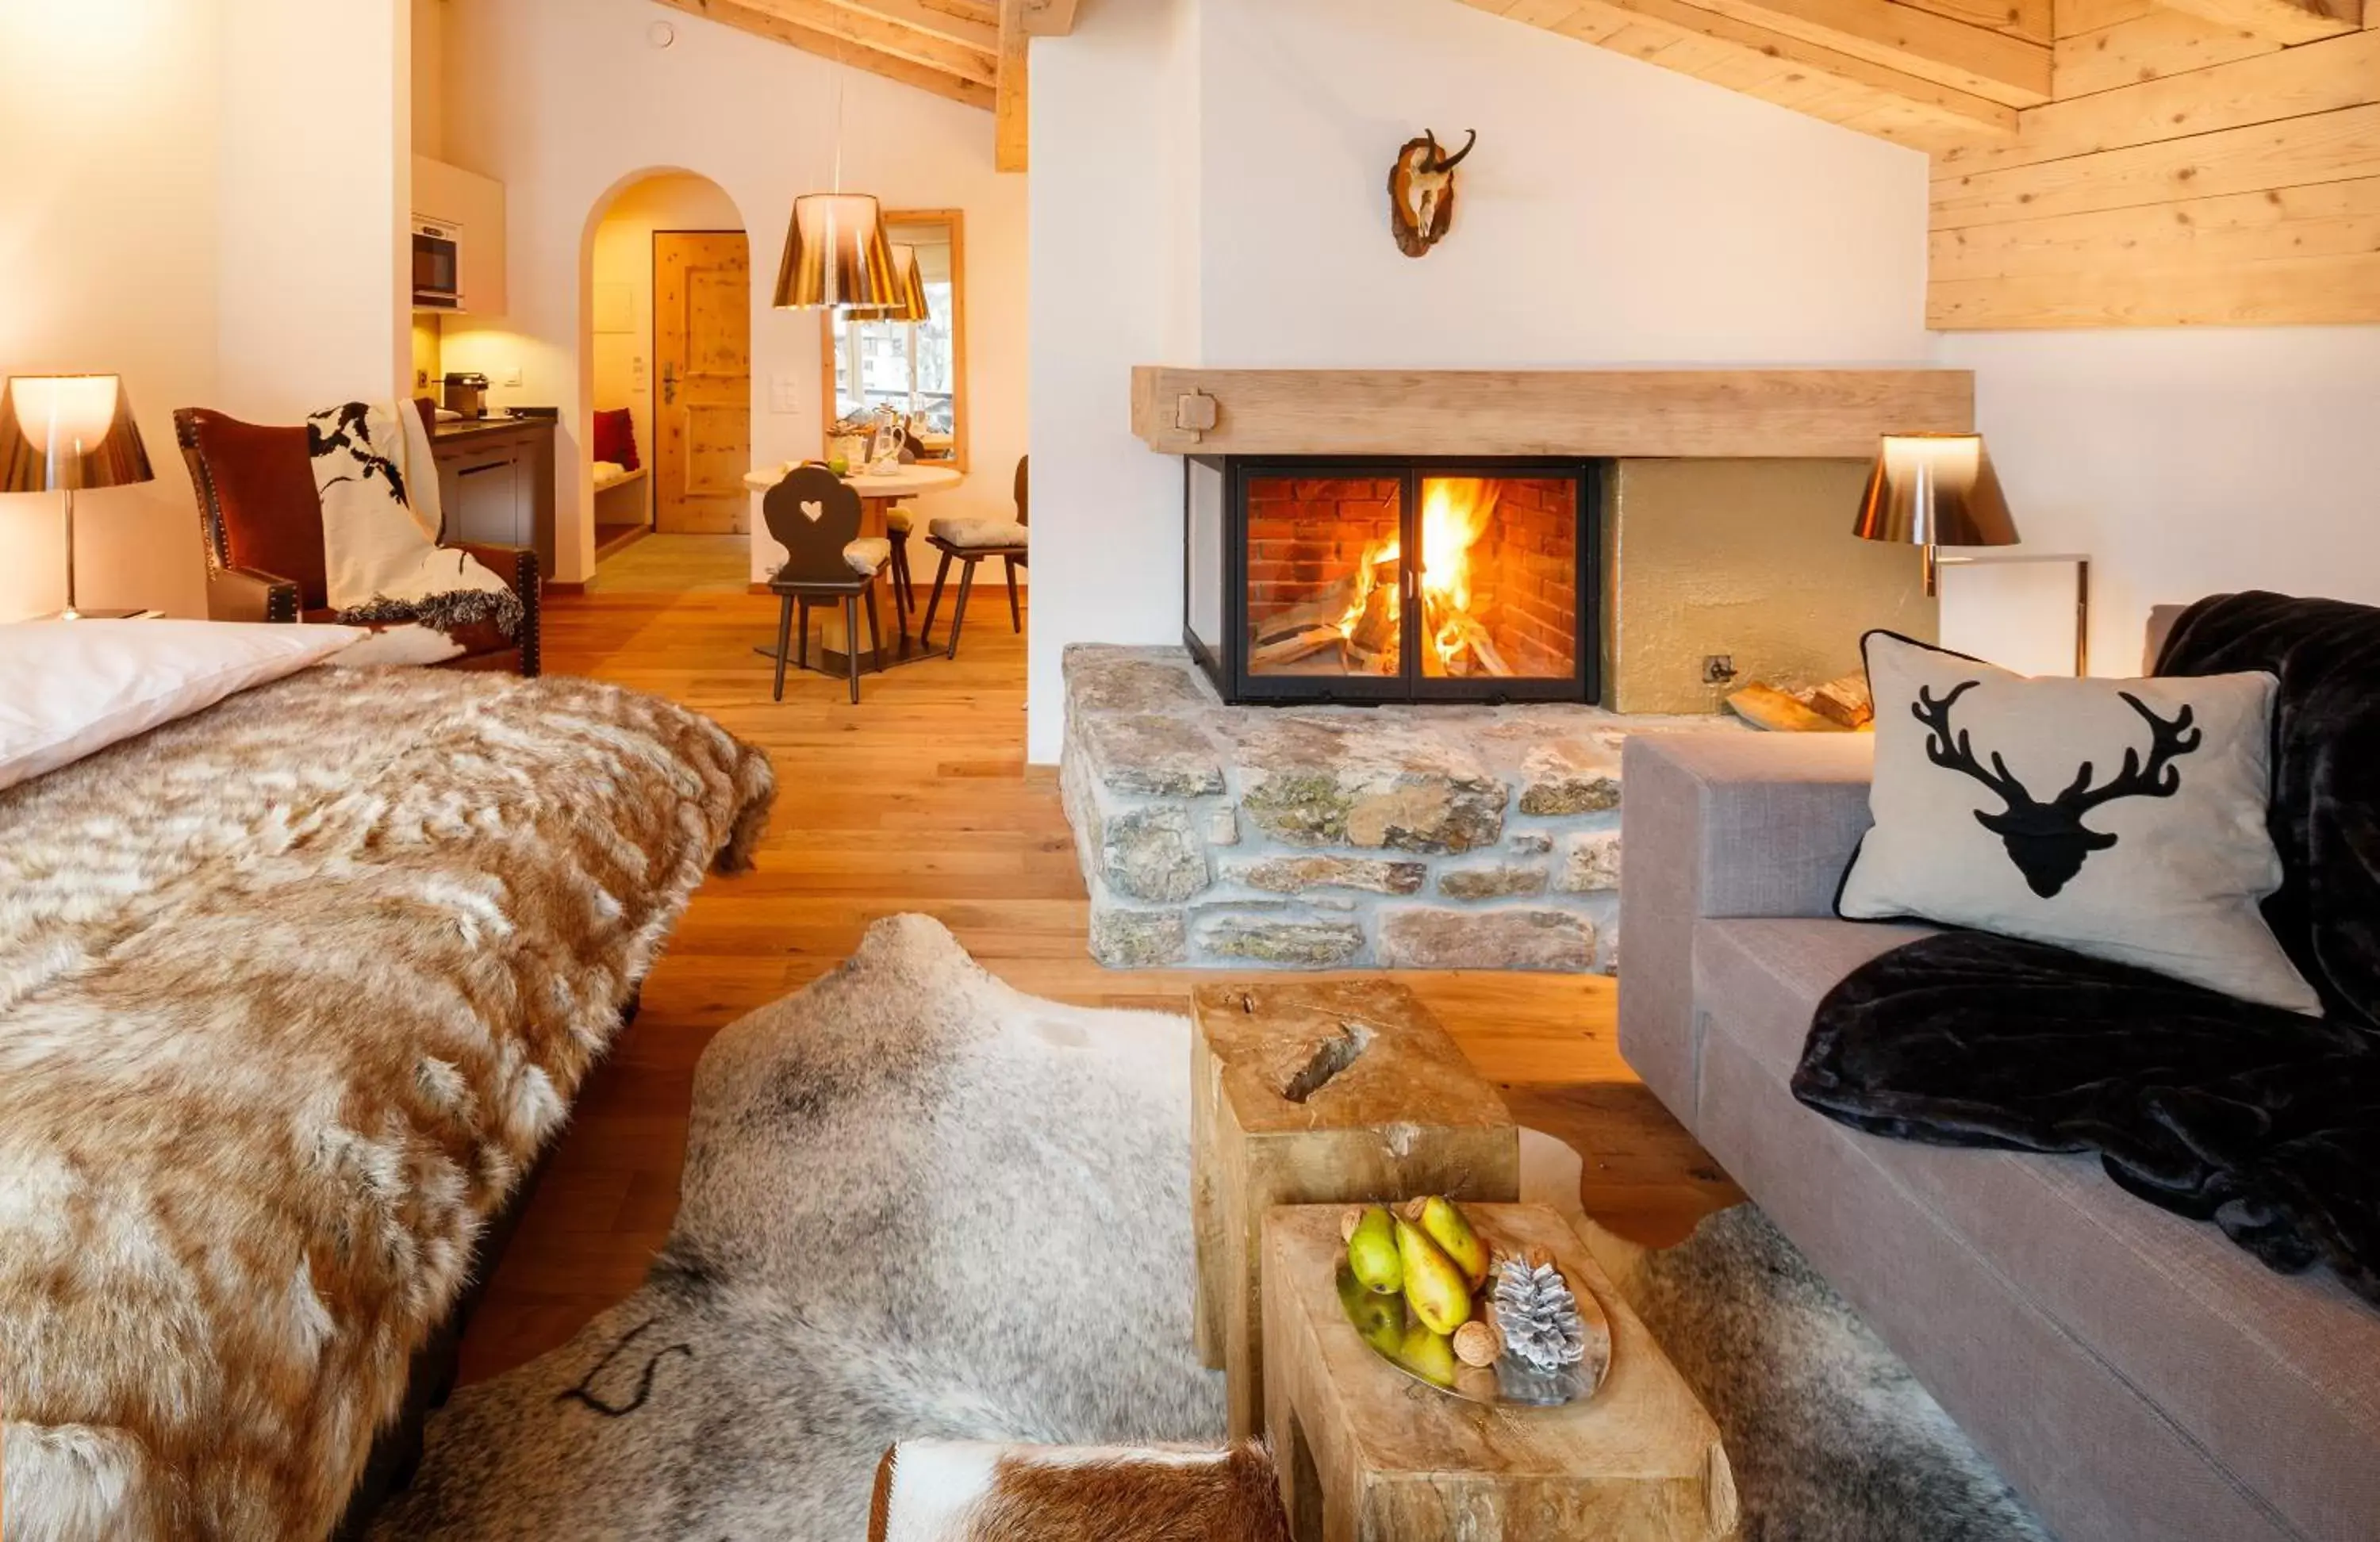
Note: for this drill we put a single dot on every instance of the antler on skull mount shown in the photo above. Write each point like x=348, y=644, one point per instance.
x=2048, y=840
x=1421, y=191
x=1439, y=160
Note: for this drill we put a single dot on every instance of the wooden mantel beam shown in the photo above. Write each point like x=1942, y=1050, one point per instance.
x=2283, y=21
x=1829, y=414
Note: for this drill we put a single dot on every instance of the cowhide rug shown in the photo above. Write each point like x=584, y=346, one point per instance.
x=919, y=1203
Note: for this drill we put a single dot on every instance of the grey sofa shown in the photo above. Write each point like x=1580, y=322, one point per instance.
x=2132, y=1373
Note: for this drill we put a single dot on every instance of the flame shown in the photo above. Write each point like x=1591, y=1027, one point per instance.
x=1456, y=512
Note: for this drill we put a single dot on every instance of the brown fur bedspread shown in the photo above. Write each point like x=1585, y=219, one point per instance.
x=291, y=993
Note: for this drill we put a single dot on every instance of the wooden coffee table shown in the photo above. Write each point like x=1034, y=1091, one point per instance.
x=1368, y=1455
x=1307, y=1092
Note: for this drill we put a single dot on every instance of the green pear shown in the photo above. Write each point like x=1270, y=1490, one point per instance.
x=1448, y=1228
x=1372, y=1254
x=1435, y=1287
x=1428, y=1355
x=1379, y=1320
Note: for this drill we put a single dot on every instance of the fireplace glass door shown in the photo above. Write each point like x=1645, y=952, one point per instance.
x=1394, y=580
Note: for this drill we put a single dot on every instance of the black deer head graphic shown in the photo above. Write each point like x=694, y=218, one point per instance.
x=2048, y=841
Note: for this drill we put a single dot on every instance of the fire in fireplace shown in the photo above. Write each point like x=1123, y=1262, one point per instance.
x=1392, y=580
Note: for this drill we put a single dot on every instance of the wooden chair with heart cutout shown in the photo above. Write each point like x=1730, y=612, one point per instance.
x=816, y=517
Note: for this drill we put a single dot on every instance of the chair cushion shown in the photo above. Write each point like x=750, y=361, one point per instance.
x=867, y=553
x=978, y=534
x=271, y=515
x=900, y=521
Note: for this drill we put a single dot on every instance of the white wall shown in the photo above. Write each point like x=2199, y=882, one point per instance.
x=314, y=285
x=565, y=102
x=2186, y=462
x=1614, y=213
x=108, y=111
x=624, y=256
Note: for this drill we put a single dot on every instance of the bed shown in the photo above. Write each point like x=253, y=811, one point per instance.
x=294, y=992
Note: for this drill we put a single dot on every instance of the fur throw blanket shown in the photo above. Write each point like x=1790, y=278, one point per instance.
x=378, y=482
x=292, y=993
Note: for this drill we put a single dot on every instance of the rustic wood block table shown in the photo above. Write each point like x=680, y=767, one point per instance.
x=1368, y=1455
x=1304, y=1092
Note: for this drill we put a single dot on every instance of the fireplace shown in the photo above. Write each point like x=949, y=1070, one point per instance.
x=1379, y=580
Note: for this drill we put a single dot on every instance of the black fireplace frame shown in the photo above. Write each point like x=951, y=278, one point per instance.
x=1227, y=663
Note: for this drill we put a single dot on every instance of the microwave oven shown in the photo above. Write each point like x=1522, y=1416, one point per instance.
x=437, y=265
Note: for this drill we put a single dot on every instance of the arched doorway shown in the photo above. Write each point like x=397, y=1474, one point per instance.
x=667, y=354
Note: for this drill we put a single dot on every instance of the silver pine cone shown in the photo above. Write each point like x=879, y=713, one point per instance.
x=1538, y=1317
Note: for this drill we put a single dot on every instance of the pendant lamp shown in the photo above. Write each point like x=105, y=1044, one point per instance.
x=836, y=257
x=909, y=285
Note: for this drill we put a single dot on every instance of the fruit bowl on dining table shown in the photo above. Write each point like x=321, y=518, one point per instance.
x=1442, y=1303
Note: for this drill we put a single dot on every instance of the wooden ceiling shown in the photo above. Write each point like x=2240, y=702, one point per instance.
x=971, y=51
x=2096, y=162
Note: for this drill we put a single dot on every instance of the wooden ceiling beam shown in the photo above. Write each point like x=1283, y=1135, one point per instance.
x=1977, y=60
x=965, y=22
x=767, y=21
x=2284, y=21
x=871, y=29
x=1775, y=66
x=1012, y=111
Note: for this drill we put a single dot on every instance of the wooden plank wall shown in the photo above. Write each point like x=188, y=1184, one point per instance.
x=2189, y=173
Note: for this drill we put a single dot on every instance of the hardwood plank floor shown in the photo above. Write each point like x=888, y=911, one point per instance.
x=919, y=800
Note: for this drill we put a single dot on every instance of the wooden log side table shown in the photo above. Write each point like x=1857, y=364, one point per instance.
x=1368, y=1455
x=1308, y=1092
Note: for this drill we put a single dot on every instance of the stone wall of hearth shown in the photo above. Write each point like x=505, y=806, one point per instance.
x=1434, y=837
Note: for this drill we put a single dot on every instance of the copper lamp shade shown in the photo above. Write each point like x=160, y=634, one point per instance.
x=65, y=433
x=60, y=433
x=911, y=282
x=1933, y=490
x=836, y=257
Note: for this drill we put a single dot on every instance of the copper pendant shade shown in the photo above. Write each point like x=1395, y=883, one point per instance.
x=62, y=433
x=836, y=257
x=911, y=284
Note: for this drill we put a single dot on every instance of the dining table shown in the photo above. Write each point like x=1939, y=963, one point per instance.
x=880, y=493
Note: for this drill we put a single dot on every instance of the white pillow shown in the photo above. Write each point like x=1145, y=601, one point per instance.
x=70, y=688
x=2122, y=819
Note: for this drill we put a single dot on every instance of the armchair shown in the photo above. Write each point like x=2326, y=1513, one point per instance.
x=262, y=522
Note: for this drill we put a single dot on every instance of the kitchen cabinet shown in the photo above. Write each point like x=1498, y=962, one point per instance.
x=453, y=196
x=495, y=482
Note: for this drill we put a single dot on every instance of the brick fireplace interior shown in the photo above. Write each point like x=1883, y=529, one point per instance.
x=1389, y=582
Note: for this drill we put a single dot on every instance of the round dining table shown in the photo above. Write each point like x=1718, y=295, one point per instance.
x=878, y=494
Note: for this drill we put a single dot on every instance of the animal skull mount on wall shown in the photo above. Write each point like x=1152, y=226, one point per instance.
x=1421, y=192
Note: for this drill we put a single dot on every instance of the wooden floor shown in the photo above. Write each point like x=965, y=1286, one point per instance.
x=919, y=800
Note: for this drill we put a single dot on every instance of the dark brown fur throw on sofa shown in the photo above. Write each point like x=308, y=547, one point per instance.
x=292, y=993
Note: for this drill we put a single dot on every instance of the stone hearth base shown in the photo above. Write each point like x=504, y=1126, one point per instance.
x=1340, y=837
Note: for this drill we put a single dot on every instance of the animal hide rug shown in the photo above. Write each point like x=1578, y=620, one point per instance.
x=292, y=992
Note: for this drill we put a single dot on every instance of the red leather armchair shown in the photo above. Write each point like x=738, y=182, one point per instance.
x=263, y=524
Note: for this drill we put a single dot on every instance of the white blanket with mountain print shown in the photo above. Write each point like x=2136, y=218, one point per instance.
x=378, y=487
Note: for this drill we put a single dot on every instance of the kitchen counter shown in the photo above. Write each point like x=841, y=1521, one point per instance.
x=482, y=428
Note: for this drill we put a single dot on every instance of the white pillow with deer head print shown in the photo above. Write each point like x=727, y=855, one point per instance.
x=2122, y=819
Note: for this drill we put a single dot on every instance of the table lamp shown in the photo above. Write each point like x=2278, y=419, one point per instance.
x=66, y=433
x=1934, y=490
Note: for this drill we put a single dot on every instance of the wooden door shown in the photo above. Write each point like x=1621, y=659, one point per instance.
x=702, y=389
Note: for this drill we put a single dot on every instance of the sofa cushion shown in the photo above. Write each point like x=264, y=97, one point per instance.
x=2277, y=1374
x=1772, y=972
x=264, y=486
